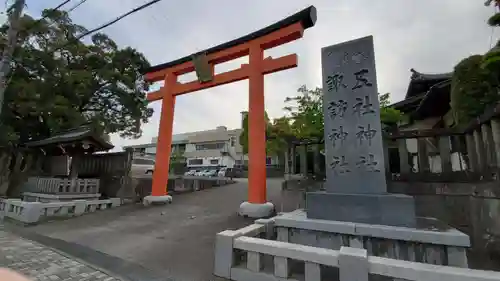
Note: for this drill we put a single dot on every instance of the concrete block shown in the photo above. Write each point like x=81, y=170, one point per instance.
x=115, y=202
x=312, y=271
x=157, y=200
x=32, y=212
x=252, y=210
x=281, y=267
x=224, y=253
x=457, y=256
x=80, y=206
x=353, y=264
x=254, y=261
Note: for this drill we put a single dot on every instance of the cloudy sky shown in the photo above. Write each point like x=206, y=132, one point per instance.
x=428, y=35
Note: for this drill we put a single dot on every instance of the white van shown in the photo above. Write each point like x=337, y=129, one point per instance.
x=141, y=166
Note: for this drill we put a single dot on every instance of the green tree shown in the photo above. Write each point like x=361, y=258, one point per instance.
x=473, y=89
x=491, y=60
x=244, y=134
x=307, y=113
x=306, y=120
x=58, y=82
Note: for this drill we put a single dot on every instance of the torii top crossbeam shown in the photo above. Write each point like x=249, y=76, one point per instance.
x=253, y=45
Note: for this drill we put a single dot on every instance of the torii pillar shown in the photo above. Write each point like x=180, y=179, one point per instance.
x=203, y=63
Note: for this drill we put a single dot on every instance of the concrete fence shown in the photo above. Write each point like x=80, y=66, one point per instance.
x=34, y=212
x=52, y=185
x=245, y=254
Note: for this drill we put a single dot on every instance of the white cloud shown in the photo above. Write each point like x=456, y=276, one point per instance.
x=428, y=35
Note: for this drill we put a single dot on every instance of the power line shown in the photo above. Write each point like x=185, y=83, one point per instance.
x=62, y=4
x=76, y=39
x=76, y=6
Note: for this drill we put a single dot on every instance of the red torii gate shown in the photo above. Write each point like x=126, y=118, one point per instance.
x=253, y=45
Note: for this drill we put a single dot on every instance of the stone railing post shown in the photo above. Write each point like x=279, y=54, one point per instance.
x=224, y=255
x=353, y=264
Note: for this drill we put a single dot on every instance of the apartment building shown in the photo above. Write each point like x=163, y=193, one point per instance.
x=214, y=148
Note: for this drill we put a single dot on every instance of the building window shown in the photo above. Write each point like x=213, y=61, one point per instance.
x=195, y=161
x=233, y=141
x=268, y=160
x=214, y=161
x=238, y=162
x=207, y=146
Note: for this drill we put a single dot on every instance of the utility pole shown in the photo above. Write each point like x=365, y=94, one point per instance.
x=14, y=22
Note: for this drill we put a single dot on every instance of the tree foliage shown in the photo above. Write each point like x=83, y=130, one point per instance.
x=475, y=80
x=491, y=60
x=305, y=119
x=473, y=88
x=58, y=82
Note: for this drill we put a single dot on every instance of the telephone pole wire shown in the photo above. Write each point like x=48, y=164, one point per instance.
x=14, y=22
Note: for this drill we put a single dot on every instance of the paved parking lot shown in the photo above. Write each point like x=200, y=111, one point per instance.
x=41, y=263
x=171, y=242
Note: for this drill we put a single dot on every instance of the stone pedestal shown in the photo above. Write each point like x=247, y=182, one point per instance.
x=383, y=209
x=430, y=241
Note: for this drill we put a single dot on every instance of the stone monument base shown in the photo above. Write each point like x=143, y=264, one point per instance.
x=157, y=200
x=429, y=242
x=253, y=210
x=382, y=209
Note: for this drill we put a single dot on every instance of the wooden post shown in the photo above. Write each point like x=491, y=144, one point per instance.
x=73, y=171
x=471, y=153
x=423, y=158
x=445, y=154
x=287, y=164
x=293, y=156
x=317, y=159
x=303, y=160
x=495, y=132
x=481, y=157
x=404, y=166
x=489, y=147
x=385, y=143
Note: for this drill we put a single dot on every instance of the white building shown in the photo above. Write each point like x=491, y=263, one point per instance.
x=214, y=148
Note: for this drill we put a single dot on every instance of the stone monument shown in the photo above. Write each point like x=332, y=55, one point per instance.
x=356, y=188
x=356, y=210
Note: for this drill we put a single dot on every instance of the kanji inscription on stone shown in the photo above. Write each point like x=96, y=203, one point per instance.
x=353, y=137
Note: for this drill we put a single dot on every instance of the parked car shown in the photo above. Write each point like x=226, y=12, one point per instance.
x=141, y=166
x=200, y=173
x=212, y=173
x=190, y=173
